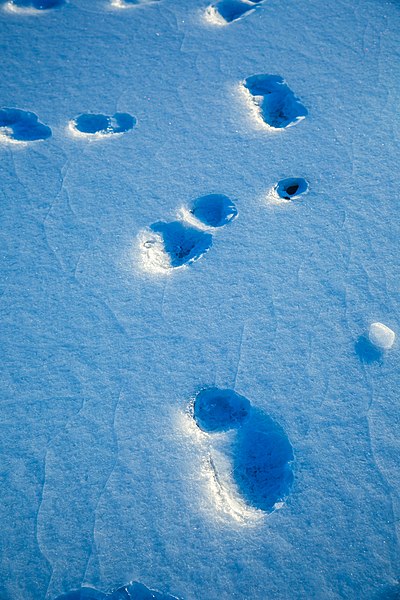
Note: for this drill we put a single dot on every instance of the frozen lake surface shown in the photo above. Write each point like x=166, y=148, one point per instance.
x=200, y=225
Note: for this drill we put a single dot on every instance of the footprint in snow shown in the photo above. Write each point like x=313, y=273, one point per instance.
x=131, y=3
x=168, y=246
x=21, y=127
x=273, y=101
x=31, y=6
x=228, y=11
x=251, y=457
x=132, y=591
x=98, y=126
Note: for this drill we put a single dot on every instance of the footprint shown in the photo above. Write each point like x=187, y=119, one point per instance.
x=21, y=126
x=275, y=102
x=228, y=11
x=33, y=5
x=166, y=246
x=131, y=3
x=260, y=473
x=287, y=190
x=98, y=126
x=132, y=591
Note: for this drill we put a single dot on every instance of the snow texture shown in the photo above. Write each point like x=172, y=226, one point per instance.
x=106, y=476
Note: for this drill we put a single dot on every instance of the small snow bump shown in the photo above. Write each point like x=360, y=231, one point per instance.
x=381, y=336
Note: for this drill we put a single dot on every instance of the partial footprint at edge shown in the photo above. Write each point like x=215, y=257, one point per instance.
x=251, y=456
x=132, y=591
x=33, y=5
x=99, y=126
x=131, y=3
x=21, y=127
x=167, y=246
x=274, y=102
x=228, y=11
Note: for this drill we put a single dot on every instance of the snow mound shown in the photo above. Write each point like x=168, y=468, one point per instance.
x=381, y=336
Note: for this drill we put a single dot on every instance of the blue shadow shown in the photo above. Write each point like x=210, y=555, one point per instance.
x=183, y=244
x=279, y=106
x=214, y=210
x=366, y=351
x=24, y=126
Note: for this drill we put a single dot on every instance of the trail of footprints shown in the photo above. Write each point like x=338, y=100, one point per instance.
x=251, y=458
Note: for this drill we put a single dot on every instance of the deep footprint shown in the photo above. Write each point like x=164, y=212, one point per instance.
x=21, y=126
x=277, y=104
x=262, y=454
x=99, y=125
x=291, y=188
x=174, y=245
x=228, y=11
x=35, y=4
x=132, y=591
x=214, y=210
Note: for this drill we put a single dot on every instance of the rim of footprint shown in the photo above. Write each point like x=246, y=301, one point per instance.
x=167, y=246
x=250, y=455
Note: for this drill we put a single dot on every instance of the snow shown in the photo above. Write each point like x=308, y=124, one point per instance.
x=107, y=477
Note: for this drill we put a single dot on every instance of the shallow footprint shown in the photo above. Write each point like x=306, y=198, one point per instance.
x=259, y=449
x=132, y=591
x=228, y=11
x=21, y=126
x=214, y=210
x=168, y=246
x=33, y=5
x=98, y=126
x=276, y=104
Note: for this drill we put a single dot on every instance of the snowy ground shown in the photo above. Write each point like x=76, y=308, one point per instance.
x=106, y=476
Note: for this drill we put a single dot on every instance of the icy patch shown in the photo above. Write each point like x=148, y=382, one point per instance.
x=20, y=126
x=258, y=474
x=227, y=11
x=132, y=591
x=274, y=103
x=167, y=246
x=32, y=6
x=99, y=126
x=381, y=336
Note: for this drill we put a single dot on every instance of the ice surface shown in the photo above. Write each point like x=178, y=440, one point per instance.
x=381, y=335
x=106, y=477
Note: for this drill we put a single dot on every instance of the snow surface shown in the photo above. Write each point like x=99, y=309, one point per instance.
x=106, y=476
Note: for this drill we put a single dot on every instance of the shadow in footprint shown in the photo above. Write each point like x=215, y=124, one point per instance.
x=182, y=245
x=278, y=105
x=291, y=188
x=366, y=351
x=131, y=3
x=214, y=210
x=100, y=125
x=36, y=4
x=228, y=11
x=21, y=126
x=262, y=453
x=132, y=591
